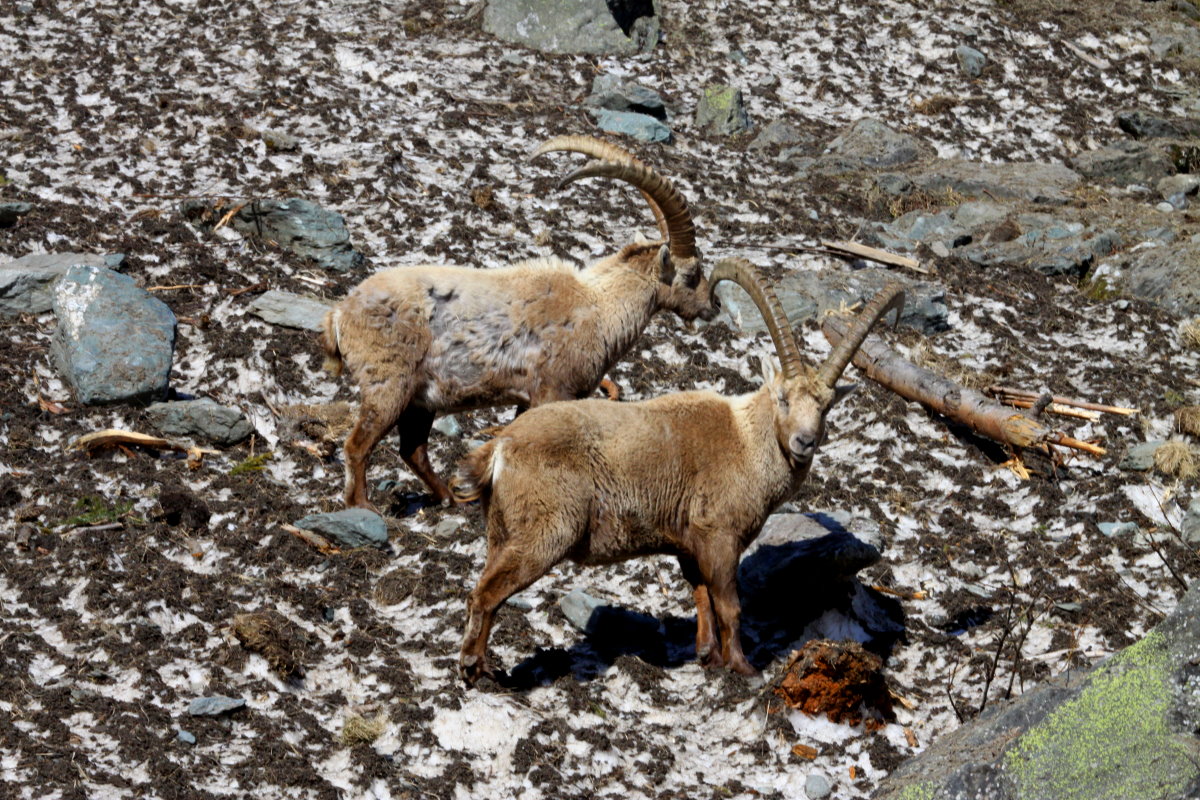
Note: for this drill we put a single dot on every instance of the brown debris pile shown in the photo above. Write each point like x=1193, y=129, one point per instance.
x=839, y=679
x=275, y=638
x=319, y=428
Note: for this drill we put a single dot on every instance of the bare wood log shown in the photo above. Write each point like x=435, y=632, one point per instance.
x=874, y=254
x=887, y=367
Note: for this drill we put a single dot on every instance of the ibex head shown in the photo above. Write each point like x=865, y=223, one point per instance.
x=682, y=288
x=802, y=394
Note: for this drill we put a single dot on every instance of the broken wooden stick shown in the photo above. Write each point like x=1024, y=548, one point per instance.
x=1053, y=408
x=114, y=437
x=966, y=406
x=1002, y=392
x=855, y=250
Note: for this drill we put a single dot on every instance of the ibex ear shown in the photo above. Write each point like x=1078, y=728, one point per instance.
x=666, y=267
x=640, y=238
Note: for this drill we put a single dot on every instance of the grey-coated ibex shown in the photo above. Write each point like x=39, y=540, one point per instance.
x=424, y=340
x=693, y=475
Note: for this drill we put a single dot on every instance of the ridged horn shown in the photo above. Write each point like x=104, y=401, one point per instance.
x=889, y=297
x=677, y=220
x=744, y=274
x=605, y=151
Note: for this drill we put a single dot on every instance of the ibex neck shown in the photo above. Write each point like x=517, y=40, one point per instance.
x=777, y=475
x=625, y=302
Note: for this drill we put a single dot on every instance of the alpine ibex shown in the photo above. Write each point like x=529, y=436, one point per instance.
x=693, y=475
x=424, y=340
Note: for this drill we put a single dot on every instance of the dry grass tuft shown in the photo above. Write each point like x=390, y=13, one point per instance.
x=925, y=357
x=357, y=729
x=1187, y=420
x=1189, y=333
x=1175, y=459
x=275, y=638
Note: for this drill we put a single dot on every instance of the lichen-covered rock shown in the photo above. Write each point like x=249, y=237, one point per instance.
x=721, y=111
x=201, y=419
x=572, y=26
x=1125, y=729
x=115, y=341
x=27, y=284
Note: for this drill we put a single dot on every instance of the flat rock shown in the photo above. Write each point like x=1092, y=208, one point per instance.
x=294, y=224
x=114, y=341
x=1140, y=457
x=1168, y=276
x=873, y=144
x=1048, y=183
x=214, y=706
x=353, y=527
x=1145, y=125
x=642, y=127
x=571, y=26
x=777, y=133
x=1124, y=163
x=970, y=60
x=577, y=606
x=808, y=295
x=204, y=420
x=620, y=94
x=1124, y=729
x=721, y=111
x=290, y=310
x=27, y=284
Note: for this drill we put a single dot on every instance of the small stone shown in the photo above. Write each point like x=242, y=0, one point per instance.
x=1115, y=529
x=939, y=249
x=817, y=786
x=214, y=706
x=1070, y=607
x=447, y=426
x=203, y=419
x=290, y=310
x=617, y=94
x=1140, y=457
x=520, y=601
x=578, y=606
x=353, y=527
x=970, y=60
x=447, y=527
x=185, y=737
x=1165, y=207
x=776, y=133
x=642, y=127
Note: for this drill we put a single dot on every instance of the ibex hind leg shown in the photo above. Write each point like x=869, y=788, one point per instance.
x=381, y=407
x=414, y=425
x=512, y=565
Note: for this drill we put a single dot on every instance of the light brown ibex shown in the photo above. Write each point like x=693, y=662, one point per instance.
x=424, y=340
x=693, y=475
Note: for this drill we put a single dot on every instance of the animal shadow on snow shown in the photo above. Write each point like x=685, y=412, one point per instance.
x=791, y=592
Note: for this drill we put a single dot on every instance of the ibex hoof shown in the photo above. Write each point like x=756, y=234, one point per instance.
x=472, y=668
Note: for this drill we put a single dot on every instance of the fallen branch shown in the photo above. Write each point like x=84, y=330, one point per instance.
x=885, y=366
x=312, y=539
x=1002, y=392
x=261, y=286
x=852, y=249
x=114, y=437
x=1053, y=408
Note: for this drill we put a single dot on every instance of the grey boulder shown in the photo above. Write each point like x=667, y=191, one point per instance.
x=873, y=144
x=353, y=527
x=569, y=26
x=642, y=127
x=721, y=111
x=1124, y=163
x=618, y=94
x=114, y=342
x=214, y=706
x=27, y=284
x=1048, y=183
x=202, y=419
x=290, y=310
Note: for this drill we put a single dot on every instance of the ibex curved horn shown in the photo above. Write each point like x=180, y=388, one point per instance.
x=744, y=274
x=605, y=151
x=889, y=297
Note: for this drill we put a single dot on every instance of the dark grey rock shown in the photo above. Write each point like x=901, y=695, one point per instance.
x=642, y=127
x=777, y=133
x=721, y=111
x=204, y=420
x=618, y=94
x=294, y=224
x=1189, y=529
x=1124, y=163
x=808, y=295
x=290, y=310
x=1144, y=125
x=12, y=211
x=1167, y=276
x=869, y=142
x=186, y=737
x=1140, y=457
x=577, y=606
x=1125, y=728
x=353, y=527
x=27, y=284
x=1048, y=244
x=817, y=786
x=214, y=706
x=1019, y=180
x=114, y=341
x=569, y=26
x=970, y=60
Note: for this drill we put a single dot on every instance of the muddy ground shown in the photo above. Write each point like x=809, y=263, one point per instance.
x=112, y=114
